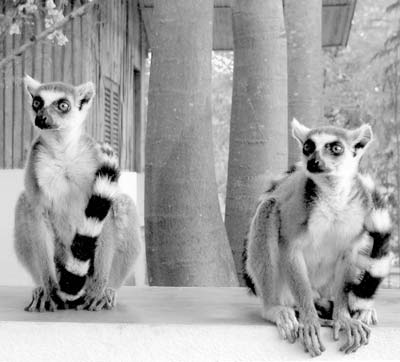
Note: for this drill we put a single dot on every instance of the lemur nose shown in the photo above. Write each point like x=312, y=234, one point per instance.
x=315, y=165
x=40, y=121
x=41, y=118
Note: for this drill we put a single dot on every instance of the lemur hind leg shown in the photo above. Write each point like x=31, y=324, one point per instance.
x=128, y=241
x=34, y=246
x=376, y=264
x=262, y=266
x=365, y=311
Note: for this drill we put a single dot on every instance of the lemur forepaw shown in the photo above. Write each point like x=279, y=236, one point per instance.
x=310, y=335
x=367, y=316
x=105, y=300
x=288, y=326
x=357, y=333
x=111, y=297
x=41, y=301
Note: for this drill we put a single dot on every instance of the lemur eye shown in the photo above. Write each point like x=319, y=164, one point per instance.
x=308, y=147
x=37, y=103
x=337, y=148
x=64, y=106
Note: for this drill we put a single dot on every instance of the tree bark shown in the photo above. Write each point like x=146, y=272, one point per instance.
x=258, y=134
x=186, y=241
x=305, y=73
x=396, y=125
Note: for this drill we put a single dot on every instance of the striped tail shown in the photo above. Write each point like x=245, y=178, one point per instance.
x=79, y=263
x=379, y=226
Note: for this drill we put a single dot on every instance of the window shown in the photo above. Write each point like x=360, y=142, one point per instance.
x=138, y=126
x=112, y=114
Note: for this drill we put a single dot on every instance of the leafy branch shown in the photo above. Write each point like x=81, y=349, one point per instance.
x=44, y=34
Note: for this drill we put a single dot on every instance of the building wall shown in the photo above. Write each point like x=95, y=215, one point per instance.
x=106, y=46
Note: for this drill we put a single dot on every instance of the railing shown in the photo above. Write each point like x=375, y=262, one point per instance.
x=393, y=280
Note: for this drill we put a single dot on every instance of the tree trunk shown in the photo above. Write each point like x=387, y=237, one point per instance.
x=258, y=135
x=396, y=125
x=305, y=73
x=186, y=241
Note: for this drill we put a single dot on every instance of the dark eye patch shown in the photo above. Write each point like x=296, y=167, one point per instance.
x=308, y=147
x=335, y=148
x=37, y=103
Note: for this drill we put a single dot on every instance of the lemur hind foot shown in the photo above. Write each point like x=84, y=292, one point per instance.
x=42, y=301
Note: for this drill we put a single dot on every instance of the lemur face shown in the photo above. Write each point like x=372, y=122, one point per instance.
x=59, y=106
x=330, y=150
x=323, y=152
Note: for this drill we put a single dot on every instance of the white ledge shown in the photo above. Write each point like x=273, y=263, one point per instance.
x=172, y=324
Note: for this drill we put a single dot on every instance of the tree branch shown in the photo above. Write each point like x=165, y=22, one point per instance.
x=41, y=36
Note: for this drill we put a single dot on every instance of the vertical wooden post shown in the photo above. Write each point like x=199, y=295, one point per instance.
x=8, y=106
x=258, y=136
x=305, y=77
x=186, y=241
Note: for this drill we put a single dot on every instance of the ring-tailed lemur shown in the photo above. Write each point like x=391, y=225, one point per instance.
x=320, y=234
x=75, y=232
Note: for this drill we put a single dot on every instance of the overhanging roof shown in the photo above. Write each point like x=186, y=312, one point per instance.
x=336, y=22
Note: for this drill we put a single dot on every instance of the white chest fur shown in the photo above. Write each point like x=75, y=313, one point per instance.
x=333, y=228
x=64, y=174
x=338, y=222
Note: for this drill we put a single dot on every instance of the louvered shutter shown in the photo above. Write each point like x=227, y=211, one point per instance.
x=112, y=114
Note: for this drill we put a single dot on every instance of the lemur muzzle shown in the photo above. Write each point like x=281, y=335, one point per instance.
x=316, y=164
x=42, y=120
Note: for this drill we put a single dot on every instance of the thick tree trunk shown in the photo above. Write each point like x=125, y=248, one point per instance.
x=258, y=136
x=305, y=73
x=185, y=237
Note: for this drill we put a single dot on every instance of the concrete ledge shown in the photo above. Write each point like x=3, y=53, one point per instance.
x=171, y=324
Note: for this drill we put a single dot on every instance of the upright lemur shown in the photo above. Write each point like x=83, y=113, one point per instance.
x=319, y=234
x=75, y=232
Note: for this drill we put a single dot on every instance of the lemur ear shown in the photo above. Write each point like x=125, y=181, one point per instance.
x=299, y=131
x=31, y=85
x=85, y=94
x=361, y=138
